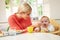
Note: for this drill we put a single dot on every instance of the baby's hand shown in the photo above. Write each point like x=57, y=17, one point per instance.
x=46, y=30
x=37, y=29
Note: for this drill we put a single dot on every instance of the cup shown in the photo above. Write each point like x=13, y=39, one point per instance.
x=30, y=29
x=12, y=31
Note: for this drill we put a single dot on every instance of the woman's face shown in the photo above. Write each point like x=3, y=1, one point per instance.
x=25, y=15
x=44, y=21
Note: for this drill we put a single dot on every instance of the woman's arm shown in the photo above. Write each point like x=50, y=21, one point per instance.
x=13, y=24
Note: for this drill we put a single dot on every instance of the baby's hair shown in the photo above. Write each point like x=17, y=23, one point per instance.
x=24, y=7
x=45, y=17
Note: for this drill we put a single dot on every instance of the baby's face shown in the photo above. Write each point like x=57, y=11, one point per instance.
x=44, y=21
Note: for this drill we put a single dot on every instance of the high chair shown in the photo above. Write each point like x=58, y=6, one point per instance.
x=56, y=26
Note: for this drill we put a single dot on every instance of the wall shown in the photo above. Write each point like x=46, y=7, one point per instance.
x=52, y=9
x=3, y=20
x=55, y=9
x=2, y=11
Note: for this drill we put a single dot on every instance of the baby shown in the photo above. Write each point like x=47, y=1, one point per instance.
x=45, y=24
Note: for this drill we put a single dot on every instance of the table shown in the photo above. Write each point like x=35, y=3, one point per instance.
x=32, y=36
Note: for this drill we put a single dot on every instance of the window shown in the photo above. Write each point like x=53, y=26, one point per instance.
x=36, y=7
x=11, y=7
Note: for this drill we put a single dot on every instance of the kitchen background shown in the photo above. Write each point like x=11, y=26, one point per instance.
x=50, y=8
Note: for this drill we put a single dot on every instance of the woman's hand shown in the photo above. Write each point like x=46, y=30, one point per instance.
x=21, y=31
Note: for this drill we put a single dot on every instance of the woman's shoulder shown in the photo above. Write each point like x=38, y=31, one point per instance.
x=11, y=16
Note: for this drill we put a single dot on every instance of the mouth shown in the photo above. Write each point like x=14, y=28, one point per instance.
x=44, y=24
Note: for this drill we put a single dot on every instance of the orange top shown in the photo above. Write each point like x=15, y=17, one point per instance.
x=18, y=23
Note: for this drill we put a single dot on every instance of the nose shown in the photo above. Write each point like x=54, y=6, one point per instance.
x=44, y=22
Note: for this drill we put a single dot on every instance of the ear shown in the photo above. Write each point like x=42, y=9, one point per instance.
x=49, y=21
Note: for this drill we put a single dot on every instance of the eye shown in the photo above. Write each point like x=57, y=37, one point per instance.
x=28, y=14
x=45, y=21
x=41, y=21
x=23, y=13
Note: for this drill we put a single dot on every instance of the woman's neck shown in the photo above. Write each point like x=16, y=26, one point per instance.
x=18, y=15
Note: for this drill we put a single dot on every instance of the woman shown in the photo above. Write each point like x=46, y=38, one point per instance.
x=21, y=20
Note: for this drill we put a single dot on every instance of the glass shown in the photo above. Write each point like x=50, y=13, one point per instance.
x=12, y=31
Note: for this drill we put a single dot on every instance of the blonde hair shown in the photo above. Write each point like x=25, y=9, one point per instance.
x=45, y=17
x=24, y=7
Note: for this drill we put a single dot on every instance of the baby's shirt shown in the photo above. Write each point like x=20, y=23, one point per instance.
x=50, y=28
